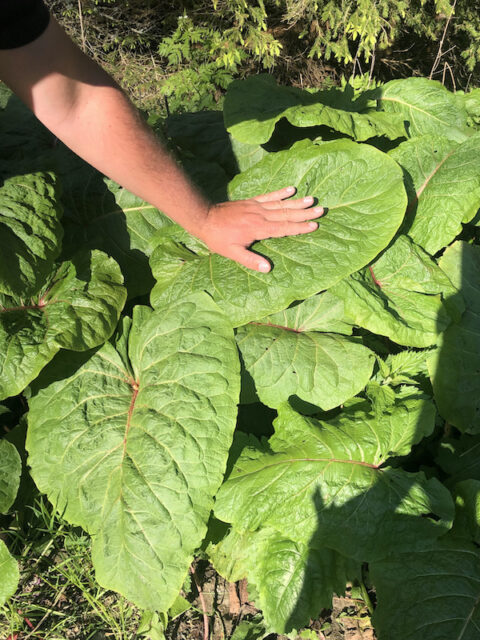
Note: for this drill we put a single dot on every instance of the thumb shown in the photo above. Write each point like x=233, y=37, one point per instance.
x=248, y=259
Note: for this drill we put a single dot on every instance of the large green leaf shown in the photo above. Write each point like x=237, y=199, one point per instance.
x=9, y=574
x=78, y=308
x=132, y=444
x=400, y=296
x=460, y=458
x=363, y=190
x=471, y=100
x=326, y=483
x=293, y=581
x=426, y=106
x=324, y=369
x=253, y=107
x=455, y=367
x=431, y=594
x=99, y=214
x=443, y=184
x=23, y=136
x=467, y=511
x=323, y=312
x=30, y=232
x=203, y=136
x=10, y=470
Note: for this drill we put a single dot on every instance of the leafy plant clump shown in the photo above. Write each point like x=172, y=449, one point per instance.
x=305, y=429
x=187, y=53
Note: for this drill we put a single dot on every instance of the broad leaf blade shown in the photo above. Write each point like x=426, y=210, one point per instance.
x=400, y=296
x=77, y=309
x=454, y=368
x=254, y=106
x=467, y=511
x=324, y=369
x=134, y=451
x=431, y=594
x=30, y=232
x=9, y=574
x=460, y=458
x=325, y=484
x=99, y=214
x=323, y=312
x=293, y=581
x=10, y=470
x=439, y=171
x=365, y=208
x=426, y=106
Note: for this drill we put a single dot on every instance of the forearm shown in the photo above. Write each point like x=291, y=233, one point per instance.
x=84, y=108
x=105, y=130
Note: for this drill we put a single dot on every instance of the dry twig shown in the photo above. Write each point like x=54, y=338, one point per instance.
x=202, y=604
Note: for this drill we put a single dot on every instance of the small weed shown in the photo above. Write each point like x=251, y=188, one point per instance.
x=58, y=597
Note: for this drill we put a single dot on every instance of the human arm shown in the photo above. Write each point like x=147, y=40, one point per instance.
x=84, y=108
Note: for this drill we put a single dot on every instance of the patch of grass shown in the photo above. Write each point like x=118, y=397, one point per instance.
x=58, y=597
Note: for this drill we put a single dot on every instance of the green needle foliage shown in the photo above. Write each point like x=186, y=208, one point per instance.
x=195, y=48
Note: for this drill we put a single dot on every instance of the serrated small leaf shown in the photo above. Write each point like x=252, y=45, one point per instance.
x=381, y=396
x=407, y=363
x=250, y=630
x=135, y=451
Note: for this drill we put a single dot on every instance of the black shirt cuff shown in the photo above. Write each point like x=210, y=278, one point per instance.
x=21, y=22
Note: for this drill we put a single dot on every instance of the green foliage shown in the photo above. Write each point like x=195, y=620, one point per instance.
x=131, y=434
x=352, y=198
x=169, y=388
x=454, y=368
x=192, y=57
x=10, y=469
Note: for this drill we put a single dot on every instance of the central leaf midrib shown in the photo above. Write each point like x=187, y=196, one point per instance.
x=359, y=463
x=135, y=388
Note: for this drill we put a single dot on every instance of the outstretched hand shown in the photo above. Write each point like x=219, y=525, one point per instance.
x=231, y=227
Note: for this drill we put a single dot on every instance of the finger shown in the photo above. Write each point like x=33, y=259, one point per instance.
x=292, y=215
x=298, y=203
x=275, y=195
x=281, y=229
x=248, y=259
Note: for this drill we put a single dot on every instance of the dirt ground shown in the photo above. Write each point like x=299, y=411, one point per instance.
x=226, y=605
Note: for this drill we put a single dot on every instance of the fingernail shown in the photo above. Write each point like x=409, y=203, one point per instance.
x=318, y=210
x=313, y=225
x=264, y=267
x=290, y=189
x=308, y=199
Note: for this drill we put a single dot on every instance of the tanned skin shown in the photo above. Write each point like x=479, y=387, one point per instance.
x=83, y=107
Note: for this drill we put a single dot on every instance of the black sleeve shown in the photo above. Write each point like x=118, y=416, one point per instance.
x=21, y=22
